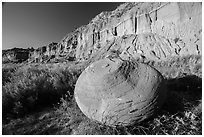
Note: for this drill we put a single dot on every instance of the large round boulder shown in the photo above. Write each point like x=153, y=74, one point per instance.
x=116, y=92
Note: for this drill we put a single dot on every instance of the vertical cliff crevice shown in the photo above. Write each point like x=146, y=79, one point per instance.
x=160, y=30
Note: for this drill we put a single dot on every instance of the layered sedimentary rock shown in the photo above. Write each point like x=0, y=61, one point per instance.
x=153, y=30
x=150, y=30
x=15, y=55
x=116, y=92
x=44, y=53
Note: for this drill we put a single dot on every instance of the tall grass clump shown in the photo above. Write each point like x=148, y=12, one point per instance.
x=177, y=67
x=32, y=87
x=7, y=72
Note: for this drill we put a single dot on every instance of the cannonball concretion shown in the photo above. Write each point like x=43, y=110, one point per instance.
x=116, y=92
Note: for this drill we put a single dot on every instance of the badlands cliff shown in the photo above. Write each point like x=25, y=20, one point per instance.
x=16, y=55
x=152, y=31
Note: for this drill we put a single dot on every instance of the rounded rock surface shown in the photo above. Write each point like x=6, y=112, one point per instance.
x=116, y=92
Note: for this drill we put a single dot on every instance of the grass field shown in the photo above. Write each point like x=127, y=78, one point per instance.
x=38, y=99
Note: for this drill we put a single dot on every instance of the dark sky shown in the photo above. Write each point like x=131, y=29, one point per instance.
x=35, y=24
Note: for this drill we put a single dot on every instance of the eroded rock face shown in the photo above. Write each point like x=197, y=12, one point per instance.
x=15, y=55
x=45, y=53
x=153, y=30
x=169, y=29
x=116, y=92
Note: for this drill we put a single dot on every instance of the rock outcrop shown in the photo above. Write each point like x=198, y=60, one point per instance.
x=149, y=30
x=153, y=31
x=16, y=55
x=43, y=54
x=116, y=92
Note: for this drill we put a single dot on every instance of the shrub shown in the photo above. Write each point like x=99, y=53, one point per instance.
x=7, y=72
x=32, y=87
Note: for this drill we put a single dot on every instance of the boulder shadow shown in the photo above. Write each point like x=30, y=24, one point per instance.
x=183, y=93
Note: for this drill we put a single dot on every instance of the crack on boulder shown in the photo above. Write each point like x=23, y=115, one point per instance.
x=197, y=49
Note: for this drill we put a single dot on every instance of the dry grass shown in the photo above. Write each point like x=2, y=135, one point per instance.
x=180, y=115
x=35, y=86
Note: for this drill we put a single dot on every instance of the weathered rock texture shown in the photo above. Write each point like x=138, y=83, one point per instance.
x=149, y=30
x=116, y=92
x=153, y=31
x=15, y=55
x=45, y=53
